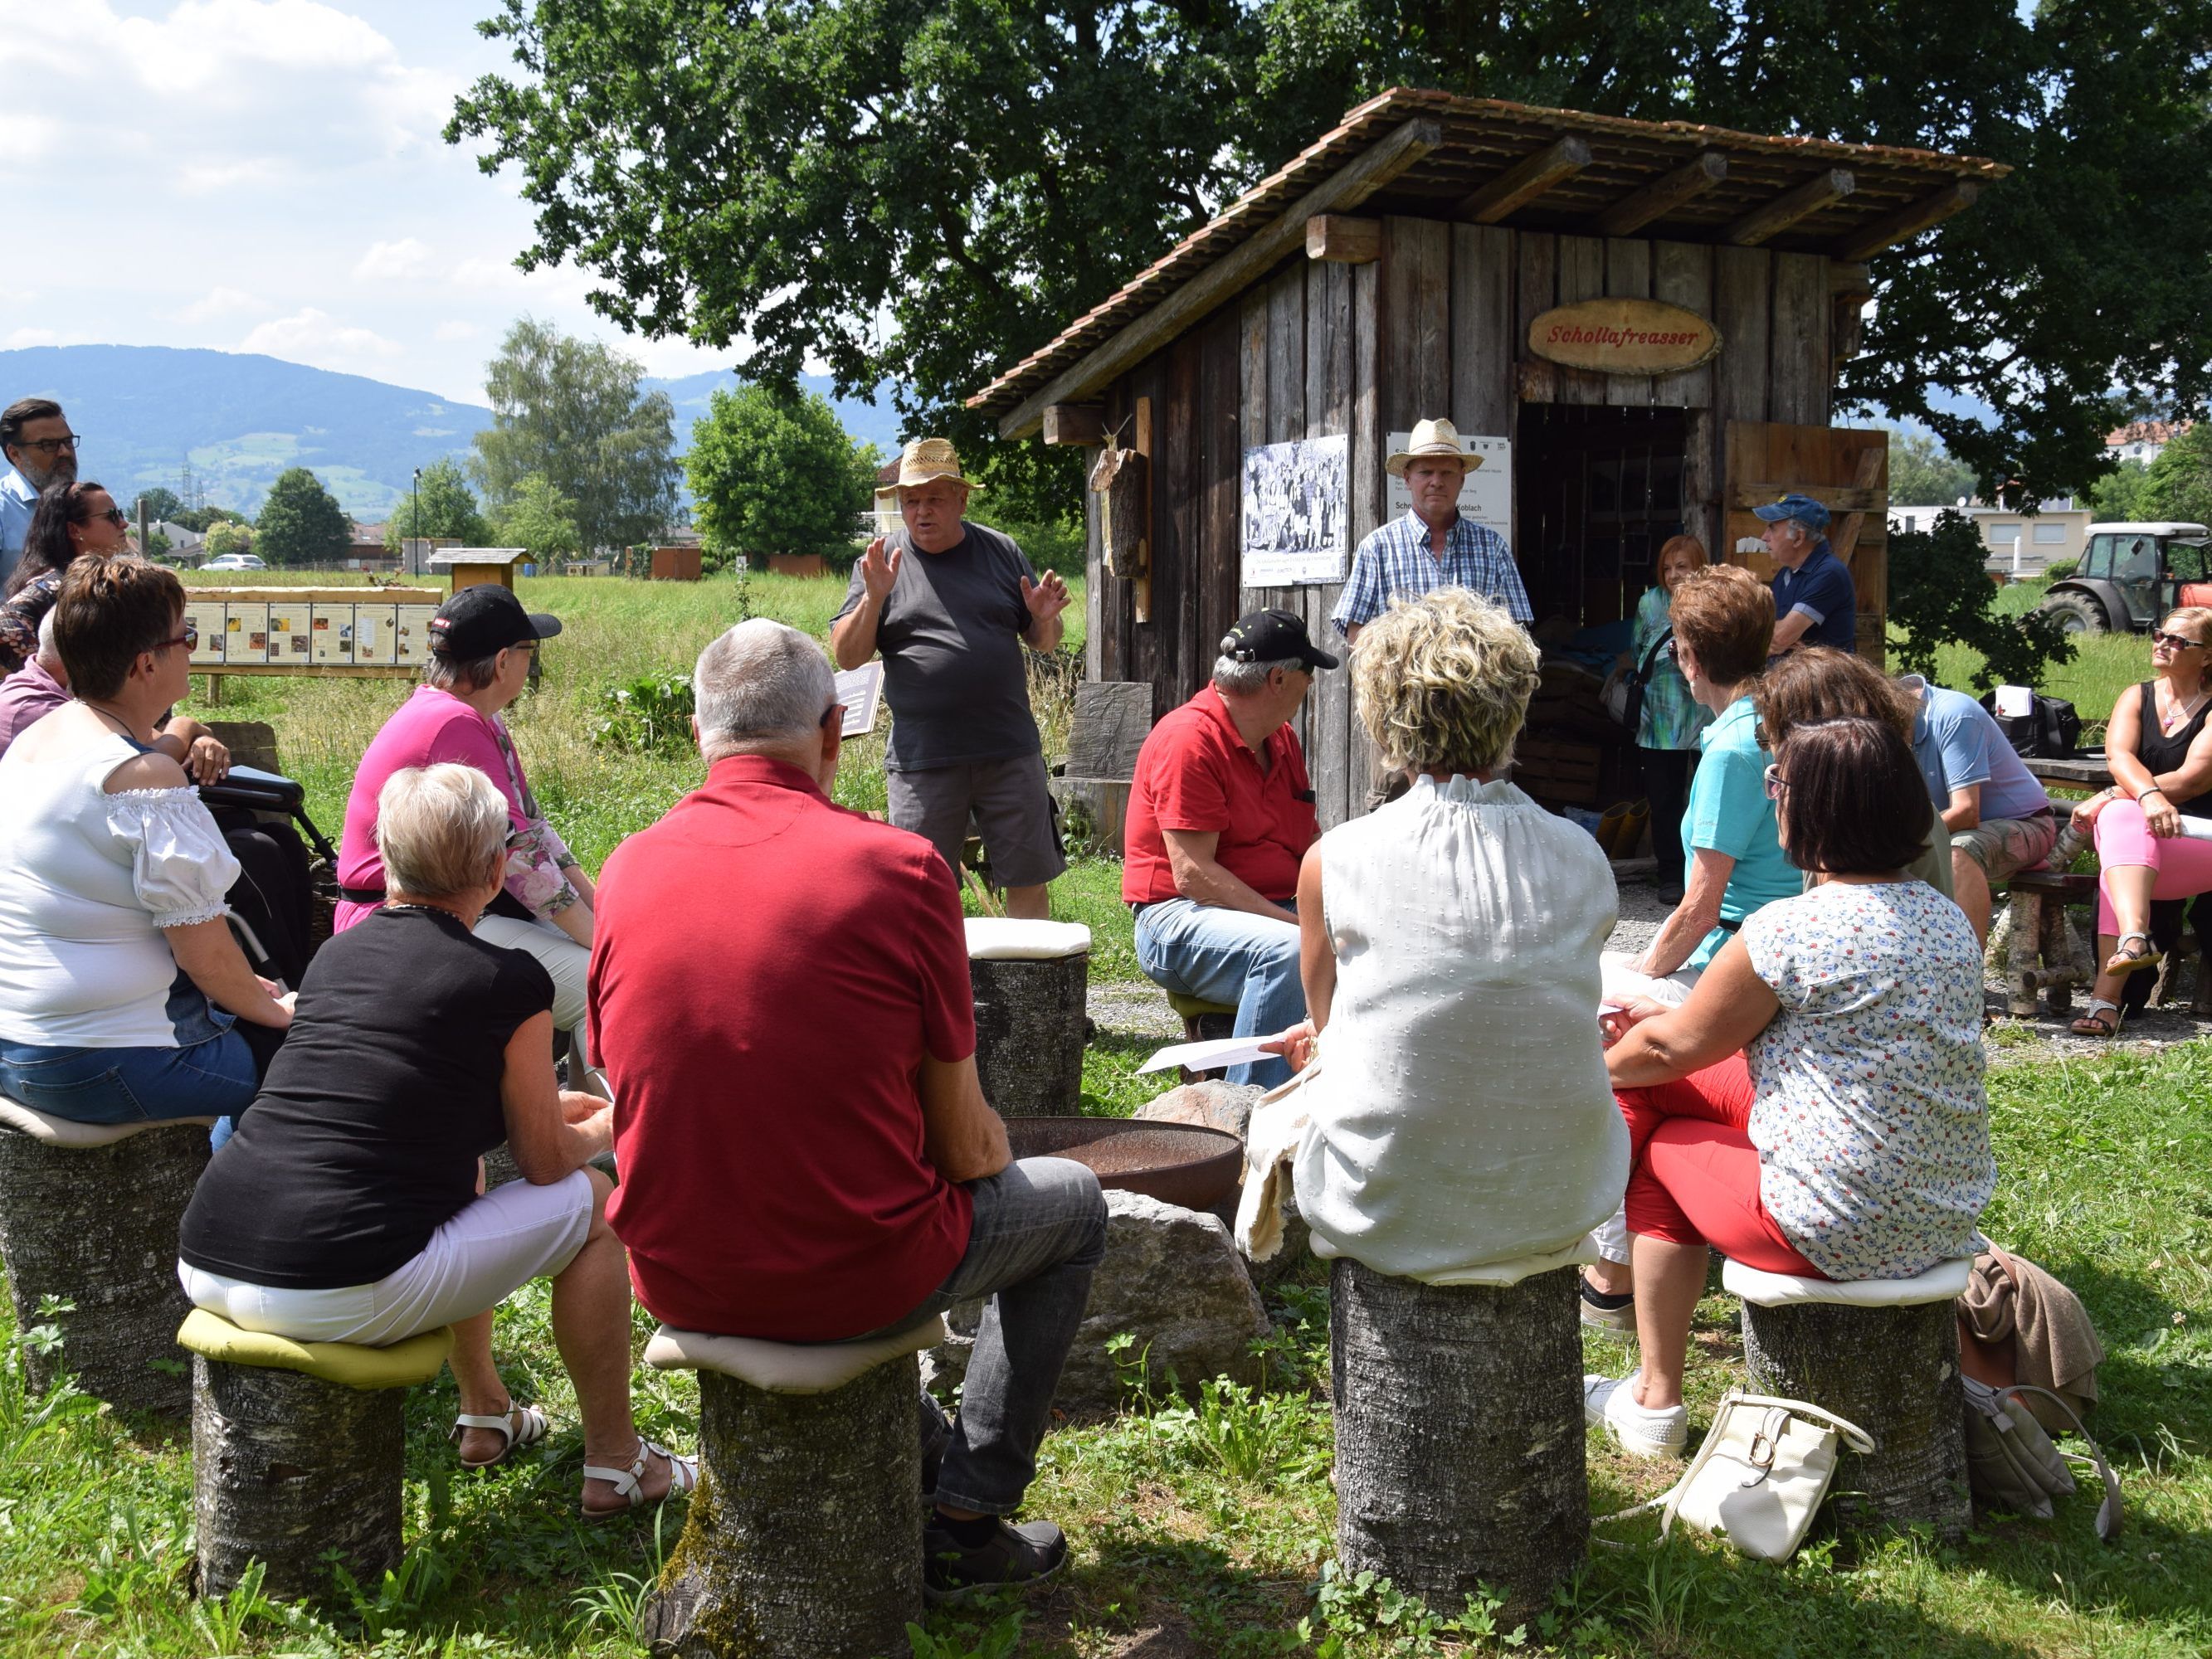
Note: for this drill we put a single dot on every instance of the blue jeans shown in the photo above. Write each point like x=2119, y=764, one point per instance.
x=1039, y=1234
x=1228, y=956
x=213, y=1077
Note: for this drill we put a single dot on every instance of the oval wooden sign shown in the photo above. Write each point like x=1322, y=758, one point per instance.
x=1624, y=337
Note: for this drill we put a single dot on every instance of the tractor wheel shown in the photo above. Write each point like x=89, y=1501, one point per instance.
x=2076, y=613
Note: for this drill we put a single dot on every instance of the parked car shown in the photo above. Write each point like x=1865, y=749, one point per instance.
x=2132, y=574
x=234, y=562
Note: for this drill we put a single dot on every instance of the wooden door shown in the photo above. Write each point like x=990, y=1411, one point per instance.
x=1846, y=471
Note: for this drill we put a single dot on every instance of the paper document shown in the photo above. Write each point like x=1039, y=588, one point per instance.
x=862, y=690
x=1206, y=1056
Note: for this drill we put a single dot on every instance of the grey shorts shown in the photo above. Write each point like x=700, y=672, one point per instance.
x=2004, y=847
x=1012, y=807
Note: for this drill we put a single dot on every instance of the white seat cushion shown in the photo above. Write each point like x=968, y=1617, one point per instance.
x=65, y=1132
x=1939, y=1284
x=785, y=1367
x=1004, y=938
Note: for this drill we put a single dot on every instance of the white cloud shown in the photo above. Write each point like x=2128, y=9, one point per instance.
x=457, y=330
x=392, y=261
x=32, y=336
x=220, y=302
x=316, y=337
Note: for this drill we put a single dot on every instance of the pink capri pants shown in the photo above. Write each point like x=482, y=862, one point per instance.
x=2183, y=864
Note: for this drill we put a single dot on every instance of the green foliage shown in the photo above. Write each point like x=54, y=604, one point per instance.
x=449, y=509
x=773, y=471
x=1939, y=594
x=574, y=412
x=2179, y=482
x=1053, y=542
x=1922, y=473
x=540, y=518
x=161, y=502
x=1367, y=1615
x=2059, y=569
x=157, y=545
x=2123, y=494
x=1246, y=1435
x=996, y=1641
x=225, y=536
x=301, y=522
x=651, y=715
x=203, y=519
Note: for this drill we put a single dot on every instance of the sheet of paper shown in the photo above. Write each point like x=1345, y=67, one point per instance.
x=862, y=690
x=1206, y=1056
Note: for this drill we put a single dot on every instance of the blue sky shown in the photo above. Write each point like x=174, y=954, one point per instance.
x=266, y=175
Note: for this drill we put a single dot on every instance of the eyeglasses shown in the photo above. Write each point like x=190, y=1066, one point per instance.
x=53, y=446
x=2175, y=641
x=1775, y=783
x=114, y=515
x=190, y=639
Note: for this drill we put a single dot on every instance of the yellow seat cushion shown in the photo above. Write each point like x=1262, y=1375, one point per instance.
x=401, y=1365
x=1189, y=1007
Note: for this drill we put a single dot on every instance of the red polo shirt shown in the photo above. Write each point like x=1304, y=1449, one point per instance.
x=767, y=971
x=1195, y=774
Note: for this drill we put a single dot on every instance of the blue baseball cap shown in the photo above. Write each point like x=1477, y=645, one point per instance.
x=1803, y=509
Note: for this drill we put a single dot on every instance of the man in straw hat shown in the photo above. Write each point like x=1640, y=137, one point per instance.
x=1432, y=546
x=950, y=605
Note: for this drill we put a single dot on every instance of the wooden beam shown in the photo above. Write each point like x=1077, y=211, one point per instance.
x=1662, y=195
x=1846, y=277
x=1339, y=239
x=1222, y=280
x=1519, y=185
x=1075, y=424
x=1910, y=220
x=1786, y=209
x=1837, y=498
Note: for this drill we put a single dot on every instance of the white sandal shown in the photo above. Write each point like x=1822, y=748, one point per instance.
x=683, y=1476
x=2092, y=1015
x=532, y=1429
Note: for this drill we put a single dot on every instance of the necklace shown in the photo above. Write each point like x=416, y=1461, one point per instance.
x=2169, y=719
x=110, y=714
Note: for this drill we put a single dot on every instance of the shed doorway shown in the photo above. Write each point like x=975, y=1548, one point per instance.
x=1598, y=491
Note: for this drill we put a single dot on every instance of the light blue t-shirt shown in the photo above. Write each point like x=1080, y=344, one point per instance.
x=1959, y=744
x=17, y=499
x=1730, y=812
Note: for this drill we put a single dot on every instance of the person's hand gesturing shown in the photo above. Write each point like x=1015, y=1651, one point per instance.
x=880, y=568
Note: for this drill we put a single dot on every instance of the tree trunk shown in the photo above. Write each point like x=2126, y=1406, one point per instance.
x=1029, y=1033
x=96, y=1226
x=804, y=1536
x=1459, y=1435
x=1894, y=1371
x=287, y=1468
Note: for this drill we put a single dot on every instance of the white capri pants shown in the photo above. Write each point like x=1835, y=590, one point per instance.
x=566, y=960
x=501, y=1242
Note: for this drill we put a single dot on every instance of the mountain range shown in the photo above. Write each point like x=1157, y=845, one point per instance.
x=238, y=420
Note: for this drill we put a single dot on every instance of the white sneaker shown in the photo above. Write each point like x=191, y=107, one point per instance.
x=1640, y=1430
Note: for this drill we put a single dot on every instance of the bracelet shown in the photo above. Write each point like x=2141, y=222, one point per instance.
x=2152, y=790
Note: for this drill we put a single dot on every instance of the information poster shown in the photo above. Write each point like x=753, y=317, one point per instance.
x=331, y=633
x=1296, y=523
x=1486, y=494
x=411, y=625
x=206, y=616
x=373, y=638
x=245, y=632
x=287, y=631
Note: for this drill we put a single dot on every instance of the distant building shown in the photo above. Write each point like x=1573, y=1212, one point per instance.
x=2016, y=543
x=2142, y=441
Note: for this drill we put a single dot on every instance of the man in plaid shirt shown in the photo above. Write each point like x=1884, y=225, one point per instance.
x=1432, y=546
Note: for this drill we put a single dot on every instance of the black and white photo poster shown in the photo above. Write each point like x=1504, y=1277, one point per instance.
x=1296, y=512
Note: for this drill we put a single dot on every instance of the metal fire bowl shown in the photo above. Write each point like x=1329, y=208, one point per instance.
x=1180, y=1164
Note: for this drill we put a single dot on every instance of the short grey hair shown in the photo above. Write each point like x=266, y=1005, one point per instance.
x=764, y=684
x=441, y=830
x=1242, y=679
x=459, y=676
x=49, y=654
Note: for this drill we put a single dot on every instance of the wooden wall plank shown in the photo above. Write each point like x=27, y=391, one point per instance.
x=1180, y=495
x=1222, y=454
x=1742, y=312
x=1682, y=274
x=1252, y=403
x=1115, y=661
x=1582, y=276
x=1330, y=355
x=1628, y=276
x=1094, y=594
x=1535, y=291
x=1286, y=418
x=1799, y=369
x=1482, y=349
x=1367, y=432
x=1417, y=357
x=1153, y=638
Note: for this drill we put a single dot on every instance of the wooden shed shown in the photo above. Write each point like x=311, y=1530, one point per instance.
x=1395, y=270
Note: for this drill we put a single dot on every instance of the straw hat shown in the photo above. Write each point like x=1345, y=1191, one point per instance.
x=1432, y=440
x=927, y=458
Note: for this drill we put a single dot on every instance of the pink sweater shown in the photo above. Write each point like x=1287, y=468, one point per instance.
x=435, y=725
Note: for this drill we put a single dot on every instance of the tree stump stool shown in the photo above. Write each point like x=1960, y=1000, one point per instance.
x=1032, y=981
x=804, y=1539
x=2032, y=946
x=88, y=1215
x=1883, y=1354
x=299, y=1449
x=1459, y=1435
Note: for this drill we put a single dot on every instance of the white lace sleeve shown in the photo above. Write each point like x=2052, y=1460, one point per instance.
x=179, y=864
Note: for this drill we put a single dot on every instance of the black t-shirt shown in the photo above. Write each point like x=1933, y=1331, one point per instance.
x=950, y=636
x=364, y=1139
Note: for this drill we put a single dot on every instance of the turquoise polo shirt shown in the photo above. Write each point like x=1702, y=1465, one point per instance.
x=1729, y=813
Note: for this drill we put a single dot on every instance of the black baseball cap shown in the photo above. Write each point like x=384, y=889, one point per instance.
x=1272, y=636
x=485, y=619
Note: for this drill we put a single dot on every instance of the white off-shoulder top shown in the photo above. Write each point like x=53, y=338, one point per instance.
x=88, y=880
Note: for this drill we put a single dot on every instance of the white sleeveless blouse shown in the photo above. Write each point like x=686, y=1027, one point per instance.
x=1463, y=1116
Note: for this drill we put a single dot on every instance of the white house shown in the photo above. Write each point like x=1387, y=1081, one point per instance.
x=2016, y=543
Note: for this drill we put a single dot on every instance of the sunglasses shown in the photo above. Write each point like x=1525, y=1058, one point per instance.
x=2175, y=641
x=114, y=515
x=1775, y=783
x=190, y=639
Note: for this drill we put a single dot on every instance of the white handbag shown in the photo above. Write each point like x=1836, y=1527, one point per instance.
x=1759, y=1479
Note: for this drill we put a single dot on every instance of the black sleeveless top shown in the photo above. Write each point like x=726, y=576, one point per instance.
x=2163, y=754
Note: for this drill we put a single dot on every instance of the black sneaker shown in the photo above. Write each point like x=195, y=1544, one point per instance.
x=1606, y=1311
x=1011, y=1555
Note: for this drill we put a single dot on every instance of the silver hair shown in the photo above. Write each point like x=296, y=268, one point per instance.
x=48, y=654
x=441, y=830
x=762, y=685
x=1242, y=679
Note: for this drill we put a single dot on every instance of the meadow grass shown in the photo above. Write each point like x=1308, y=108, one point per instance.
x=1211, y=1519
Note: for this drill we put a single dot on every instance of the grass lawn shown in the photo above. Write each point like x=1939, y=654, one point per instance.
x=1208, y=1522
x=2105, y=665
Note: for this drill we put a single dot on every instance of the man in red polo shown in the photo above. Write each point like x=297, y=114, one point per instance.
x=1220, y=812
x=779, y=995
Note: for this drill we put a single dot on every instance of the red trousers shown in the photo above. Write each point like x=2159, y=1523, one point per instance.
x=1693, y=1176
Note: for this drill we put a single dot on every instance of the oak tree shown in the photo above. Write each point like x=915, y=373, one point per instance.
x=301, y=522
x=772, y=472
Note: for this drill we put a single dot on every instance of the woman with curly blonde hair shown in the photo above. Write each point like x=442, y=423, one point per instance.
x=1449, y=953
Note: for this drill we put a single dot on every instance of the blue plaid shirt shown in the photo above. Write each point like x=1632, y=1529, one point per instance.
x=1395, y=562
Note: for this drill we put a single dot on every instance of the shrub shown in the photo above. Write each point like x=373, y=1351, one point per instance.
x=2061, y=569
x=1939, y=594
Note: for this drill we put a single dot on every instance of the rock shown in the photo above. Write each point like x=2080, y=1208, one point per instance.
x=1172, y=1278
x=1212, y=1105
